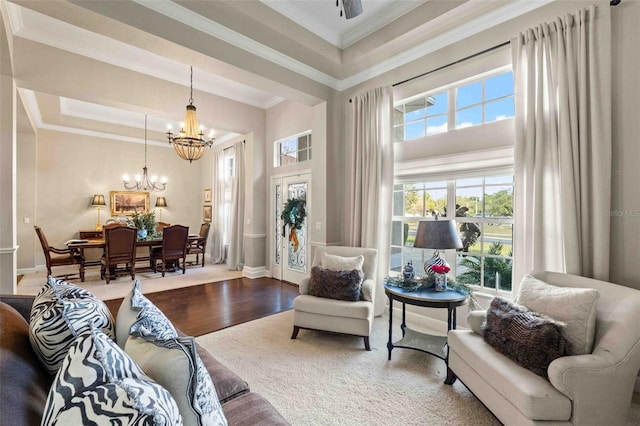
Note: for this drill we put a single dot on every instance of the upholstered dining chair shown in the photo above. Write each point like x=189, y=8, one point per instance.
x=199, y=246
x=119, y=248
x=340, y=316
x=174, y=248
x=60, y=257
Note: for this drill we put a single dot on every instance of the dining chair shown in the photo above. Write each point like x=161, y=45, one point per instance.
x=174, y=248
x=199, y=246
x=60, y=257
x=119, y=248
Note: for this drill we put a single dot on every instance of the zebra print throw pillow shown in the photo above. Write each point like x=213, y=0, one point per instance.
x=99, y=384
x=187, y=379
x=137, y=316
x=60, y=312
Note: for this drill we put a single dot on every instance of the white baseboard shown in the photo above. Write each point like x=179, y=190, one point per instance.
x=26, y=271
x=258, y=272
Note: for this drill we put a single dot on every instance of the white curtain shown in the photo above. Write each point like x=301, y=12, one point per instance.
x=372, y=179
x=563, y=146
x=235, y=258
x=218, y=225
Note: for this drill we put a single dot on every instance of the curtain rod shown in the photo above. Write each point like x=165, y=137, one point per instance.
x=229, y=147
x=611, y=3
x=466, y=58
x=449, y=64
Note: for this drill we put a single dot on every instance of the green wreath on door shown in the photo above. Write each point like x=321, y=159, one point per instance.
x=293, y=216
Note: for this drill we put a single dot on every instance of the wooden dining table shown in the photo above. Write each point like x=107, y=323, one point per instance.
x=98, y=243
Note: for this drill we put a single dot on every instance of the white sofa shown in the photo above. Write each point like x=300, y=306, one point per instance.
x=592, y=389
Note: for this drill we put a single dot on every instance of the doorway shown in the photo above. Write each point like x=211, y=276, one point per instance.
x=290, y=253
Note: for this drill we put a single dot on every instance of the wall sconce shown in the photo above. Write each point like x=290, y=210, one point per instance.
x=161, y=202
x=98, y=201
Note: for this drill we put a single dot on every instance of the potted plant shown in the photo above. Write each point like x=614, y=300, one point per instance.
x=145, y=222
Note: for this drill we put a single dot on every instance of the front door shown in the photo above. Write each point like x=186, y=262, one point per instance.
x=290, y=254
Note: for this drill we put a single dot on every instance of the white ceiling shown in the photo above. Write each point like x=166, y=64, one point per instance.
x=322, y=17
x=253, y=52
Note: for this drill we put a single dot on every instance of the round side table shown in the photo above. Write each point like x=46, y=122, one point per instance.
x=428, y=298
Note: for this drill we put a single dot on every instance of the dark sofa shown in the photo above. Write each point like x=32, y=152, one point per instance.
x=24, y=383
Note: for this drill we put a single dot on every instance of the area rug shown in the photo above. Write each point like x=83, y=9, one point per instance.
x=329, y=379
x=150, y=282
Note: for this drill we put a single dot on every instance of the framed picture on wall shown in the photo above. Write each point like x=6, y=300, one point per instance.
x=207, y=195
x=129, y=202
x=206, y=213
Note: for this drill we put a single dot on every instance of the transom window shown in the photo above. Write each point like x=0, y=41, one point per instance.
x=460, y=105
x=294, y=149
x=485, y=101
x=483, y=209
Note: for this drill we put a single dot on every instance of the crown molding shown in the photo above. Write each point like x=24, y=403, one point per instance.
x=372, y=24
x=214, y=29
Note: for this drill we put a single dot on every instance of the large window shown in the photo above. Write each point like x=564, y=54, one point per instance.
x=294, y=149
x=460, y=105
x=483, y=209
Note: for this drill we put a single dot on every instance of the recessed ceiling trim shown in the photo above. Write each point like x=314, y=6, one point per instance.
x=101, y=135
x=207, y=26
x=44, y=29
x=294, y=14
x=31, y=105
x=445, y=39
x=378, y=21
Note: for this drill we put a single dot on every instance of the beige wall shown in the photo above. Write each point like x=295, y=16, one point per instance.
x=71, y=168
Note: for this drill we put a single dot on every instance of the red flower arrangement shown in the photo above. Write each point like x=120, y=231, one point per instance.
x=440, y=269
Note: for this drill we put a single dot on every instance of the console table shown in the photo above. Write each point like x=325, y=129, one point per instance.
x=429, y=298
x=90, y=235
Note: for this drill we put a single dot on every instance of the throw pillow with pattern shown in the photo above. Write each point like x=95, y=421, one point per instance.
x=187, y=378
x=60, y=312
x=138, y=316
x=100, y=384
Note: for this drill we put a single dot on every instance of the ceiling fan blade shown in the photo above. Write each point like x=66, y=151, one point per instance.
x=352, y=8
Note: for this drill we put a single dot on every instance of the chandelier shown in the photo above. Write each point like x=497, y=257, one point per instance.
x=190, y=143
x=144, y=182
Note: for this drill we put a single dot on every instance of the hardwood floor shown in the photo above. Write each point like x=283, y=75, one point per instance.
x=205, y=308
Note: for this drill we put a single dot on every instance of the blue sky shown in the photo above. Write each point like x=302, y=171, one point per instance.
x=497, y=104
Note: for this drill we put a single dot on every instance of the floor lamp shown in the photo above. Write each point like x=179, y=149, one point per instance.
x=161, y=202
x=98, y=201
x=438, y=235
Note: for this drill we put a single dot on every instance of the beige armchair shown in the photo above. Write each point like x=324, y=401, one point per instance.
x=592, y=389
x=318, y=313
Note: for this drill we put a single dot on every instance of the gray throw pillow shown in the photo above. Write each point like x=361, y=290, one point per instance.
x=530, y=339
x=339, y=285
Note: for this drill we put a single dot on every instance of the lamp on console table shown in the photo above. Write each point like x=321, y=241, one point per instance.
x=438, y=235
x=98, y=201
x=161, y=202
